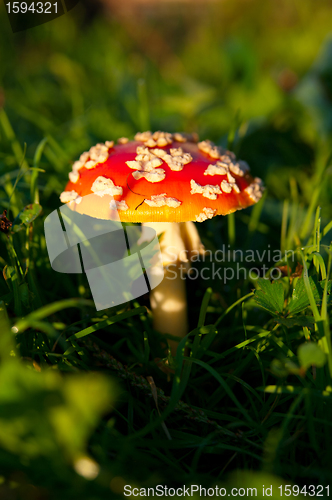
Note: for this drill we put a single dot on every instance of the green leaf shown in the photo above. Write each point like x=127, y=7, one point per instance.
x=282, y=368
x=10, y=275
x=47, y=415
x=307, y=321
x=25, y=295
x=12, y=279
x=311, y=354
x=270, y=296
x=26, y=216
x=205, y=303
x=329, y=285
x=300, y=299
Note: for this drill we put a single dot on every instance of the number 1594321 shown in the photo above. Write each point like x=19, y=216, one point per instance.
x=34, y=8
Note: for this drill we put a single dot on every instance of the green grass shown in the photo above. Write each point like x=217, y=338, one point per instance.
x=248, y=399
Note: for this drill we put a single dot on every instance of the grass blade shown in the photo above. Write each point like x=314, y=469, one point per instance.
x=107, y=322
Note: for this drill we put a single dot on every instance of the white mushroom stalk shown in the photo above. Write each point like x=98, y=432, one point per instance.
x=179, y=242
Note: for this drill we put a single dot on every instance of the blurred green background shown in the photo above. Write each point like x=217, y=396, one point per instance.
x=252, y=72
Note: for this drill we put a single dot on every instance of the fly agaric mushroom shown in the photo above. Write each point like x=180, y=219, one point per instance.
x=164, y=181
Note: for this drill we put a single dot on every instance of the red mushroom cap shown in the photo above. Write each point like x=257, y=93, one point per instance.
x=160, y=177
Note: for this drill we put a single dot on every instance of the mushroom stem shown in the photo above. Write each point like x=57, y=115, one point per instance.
x=169, y=306
x=169, y=300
